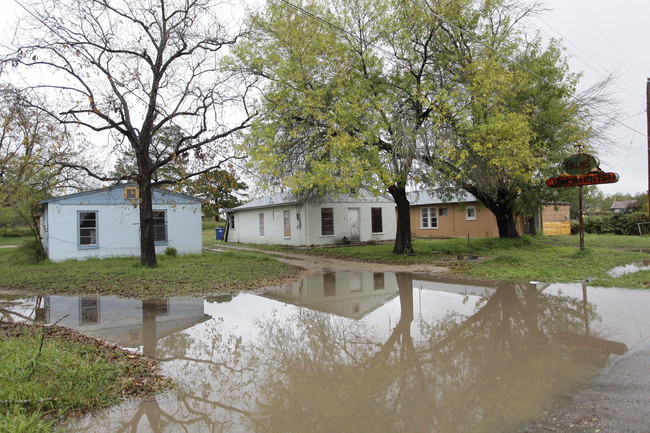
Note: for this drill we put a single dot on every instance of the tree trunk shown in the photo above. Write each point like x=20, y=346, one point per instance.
x=502, y=207
x=506, y=222
x=147, y=240
x=403, y=236
x=216, y=213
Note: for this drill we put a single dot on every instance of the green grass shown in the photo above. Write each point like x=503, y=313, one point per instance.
x=529, y=258
x=197, y=274
x=49, y=373
x=13, y=240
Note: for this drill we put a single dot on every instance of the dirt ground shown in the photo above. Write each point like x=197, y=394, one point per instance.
x=616, y=399
x=315, y=265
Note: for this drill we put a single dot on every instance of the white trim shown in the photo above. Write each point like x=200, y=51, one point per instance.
x=431, y=213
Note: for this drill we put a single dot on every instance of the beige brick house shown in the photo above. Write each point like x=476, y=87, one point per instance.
x=465, y=216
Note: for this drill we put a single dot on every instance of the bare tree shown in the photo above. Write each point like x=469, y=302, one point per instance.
x=30, y=145
x=129, y=70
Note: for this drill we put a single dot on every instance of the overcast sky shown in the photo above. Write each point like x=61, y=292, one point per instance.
x=601, y=36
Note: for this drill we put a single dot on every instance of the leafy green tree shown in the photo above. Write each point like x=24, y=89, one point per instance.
x=338, y=117
x=512, y=113
x=380, y=95
x=217, y=188
x=127, y=72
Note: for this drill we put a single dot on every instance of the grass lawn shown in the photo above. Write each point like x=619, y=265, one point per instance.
x=198, y=274
x=12, y=240
x=50, y=373
x=530, y=258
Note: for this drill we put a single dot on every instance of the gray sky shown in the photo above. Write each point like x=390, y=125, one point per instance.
x=601, y=36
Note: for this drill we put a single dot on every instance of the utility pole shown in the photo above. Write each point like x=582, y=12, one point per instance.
x=647, y=98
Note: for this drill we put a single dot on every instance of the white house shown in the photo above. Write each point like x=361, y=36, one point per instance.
x=335, y=220
x=106, y=223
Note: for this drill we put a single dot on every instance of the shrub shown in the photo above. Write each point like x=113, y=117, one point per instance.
x=31, y=251
x=171, y=251
x=616, y=224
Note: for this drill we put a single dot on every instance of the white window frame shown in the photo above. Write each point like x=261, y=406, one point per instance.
x=428, y=218
x=470, y=213
x=93, y=236
x=164, y=241
x=261, y=224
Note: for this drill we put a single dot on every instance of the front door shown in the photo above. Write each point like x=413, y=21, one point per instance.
x=354, y=229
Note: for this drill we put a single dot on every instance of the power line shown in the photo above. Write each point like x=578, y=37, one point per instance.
x=598, y=68
x=606, y=37
x=457, y=28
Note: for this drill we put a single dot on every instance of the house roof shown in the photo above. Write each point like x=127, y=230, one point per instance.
x=418, y=198
x=624, y=204
x=288, y=199
x=113, y=195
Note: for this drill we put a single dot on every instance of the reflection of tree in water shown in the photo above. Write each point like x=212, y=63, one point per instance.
x=215, y=373
x=315, y=372
x=477, y=373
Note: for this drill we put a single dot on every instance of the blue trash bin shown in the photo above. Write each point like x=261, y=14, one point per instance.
x=219, y=233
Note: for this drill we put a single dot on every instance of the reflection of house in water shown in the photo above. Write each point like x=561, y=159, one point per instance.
x=129, y=322
x=346, y=294
x=356, y=294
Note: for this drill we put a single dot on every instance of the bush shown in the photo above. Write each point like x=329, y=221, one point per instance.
x=616, y=224
x=171, y=251
x=31, y=251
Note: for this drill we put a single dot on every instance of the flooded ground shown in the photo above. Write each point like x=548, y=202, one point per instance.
x=360, y=352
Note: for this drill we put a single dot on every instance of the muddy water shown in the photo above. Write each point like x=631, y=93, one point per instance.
x=360, y=352
x=619, y=271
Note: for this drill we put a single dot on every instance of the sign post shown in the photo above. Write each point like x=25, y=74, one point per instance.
x=579, y=170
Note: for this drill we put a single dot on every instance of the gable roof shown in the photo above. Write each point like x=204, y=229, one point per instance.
x=419, y=198
x=624, y=204
x=114, y=195
x=288, y=200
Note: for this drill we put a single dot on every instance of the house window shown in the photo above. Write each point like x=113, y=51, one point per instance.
x=442, y=211
x=287, y=224
x=470, y=213
x=428, y=218
x=131, y=192
x=327, y=221
x=261, y=224
x=376, y=220
x=231, y=221
x=88, y=229
x=160, y=226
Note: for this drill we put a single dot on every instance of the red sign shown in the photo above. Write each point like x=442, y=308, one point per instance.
x=583, y=179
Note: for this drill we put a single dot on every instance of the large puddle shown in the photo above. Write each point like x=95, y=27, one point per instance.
x=359, y=352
